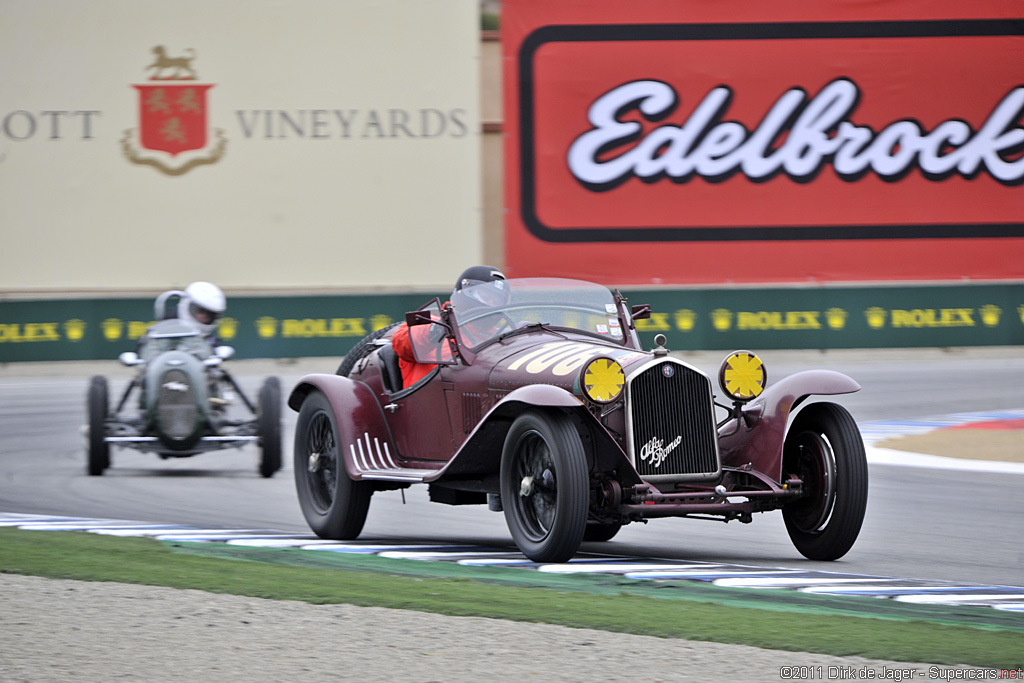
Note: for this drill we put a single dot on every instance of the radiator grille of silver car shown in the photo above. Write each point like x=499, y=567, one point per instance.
x=176, y=405
x=672, y=423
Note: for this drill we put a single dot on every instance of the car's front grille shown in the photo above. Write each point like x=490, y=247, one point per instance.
x=176, y=405
x=672, y=423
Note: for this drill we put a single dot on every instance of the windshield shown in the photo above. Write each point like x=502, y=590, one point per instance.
x=167, y=335
x=489, y=310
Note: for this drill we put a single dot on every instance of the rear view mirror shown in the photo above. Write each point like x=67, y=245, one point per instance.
x=414, y=318
x=641, y=311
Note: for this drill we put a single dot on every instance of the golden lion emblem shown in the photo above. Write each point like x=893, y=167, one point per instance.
x=179, y=68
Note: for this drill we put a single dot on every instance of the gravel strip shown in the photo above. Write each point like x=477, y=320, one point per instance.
x=56, y=630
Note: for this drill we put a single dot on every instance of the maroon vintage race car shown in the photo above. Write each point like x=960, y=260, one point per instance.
x=542, y=403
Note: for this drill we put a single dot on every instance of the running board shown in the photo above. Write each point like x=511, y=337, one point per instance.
x=373, y=460
x=409, y=475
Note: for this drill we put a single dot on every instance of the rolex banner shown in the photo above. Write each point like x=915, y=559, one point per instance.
x=688, y=142
x=691, y=319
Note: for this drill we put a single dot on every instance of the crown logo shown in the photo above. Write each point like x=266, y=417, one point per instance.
x=74, y=329
x=836, y=318
x=228, y=328
x=112, y=329
x=990, y=315
x=266, y=327
x=876, y=317
x=721, y=319
x=685, y=319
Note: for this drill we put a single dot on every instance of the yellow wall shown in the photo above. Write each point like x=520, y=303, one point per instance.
x=388, y=194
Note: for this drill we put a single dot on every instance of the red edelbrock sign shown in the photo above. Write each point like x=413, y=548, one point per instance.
x=643, y=149
x=798, y=136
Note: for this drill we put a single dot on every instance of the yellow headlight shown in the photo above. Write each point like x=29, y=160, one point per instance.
x=602, y=380
x=742, y=376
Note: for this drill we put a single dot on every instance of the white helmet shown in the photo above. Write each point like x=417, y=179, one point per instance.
x=202, y=305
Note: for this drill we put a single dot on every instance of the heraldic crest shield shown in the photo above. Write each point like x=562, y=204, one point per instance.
x=173, y=134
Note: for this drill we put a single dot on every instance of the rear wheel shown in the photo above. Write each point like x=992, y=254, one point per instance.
x=269, y=424
x=544, y=486
x=333, y=504
x=825, y=450
x=97, y=408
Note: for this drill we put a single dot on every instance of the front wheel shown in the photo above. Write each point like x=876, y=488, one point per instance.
x=544, y=486
x=97, y=408
x=269, y=424
x=825, y=450
x=333, y=504
x=599, y=533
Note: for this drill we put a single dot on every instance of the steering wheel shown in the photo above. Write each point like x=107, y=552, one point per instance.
x=487, y=326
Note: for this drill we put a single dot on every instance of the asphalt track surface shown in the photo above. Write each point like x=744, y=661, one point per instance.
x=922, y=522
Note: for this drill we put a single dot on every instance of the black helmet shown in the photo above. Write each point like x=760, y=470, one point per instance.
x=475, y=275
x=480, y=285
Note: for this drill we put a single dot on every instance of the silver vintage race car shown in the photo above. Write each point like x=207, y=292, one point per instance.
x=184, y=404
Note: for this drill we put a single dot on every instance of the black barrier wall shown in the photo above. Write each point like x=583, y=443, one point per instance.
x=692, y=319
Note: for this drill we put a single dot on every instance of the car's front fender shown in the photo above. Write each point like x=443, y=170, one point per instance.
x=758, y=438
x=480, y=454
x=362, y=430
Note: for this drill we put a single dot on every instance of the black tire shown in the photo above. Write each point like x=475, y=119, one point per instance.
x=825, y=450
x=599, y=533
x=333, y=504
x=268, y=421
x=98, y=408
x=545, y=486
x=362, y=349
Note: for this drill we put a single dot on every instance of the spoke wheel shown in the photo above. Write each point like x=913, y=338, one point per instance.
x=97, y=408
x=825, y=450
x=544, y=486
x=333, y=504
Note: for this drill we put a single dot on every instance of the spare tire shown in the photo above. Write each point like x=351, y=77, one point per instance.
x=363, y=349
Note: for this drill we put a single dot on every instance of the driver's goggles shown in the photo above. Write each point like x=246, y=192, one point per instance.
x=489, y=293
x=203, y=315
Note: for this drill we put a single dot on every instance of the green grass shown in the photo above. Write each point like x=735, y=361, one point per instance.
x=769, y=619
